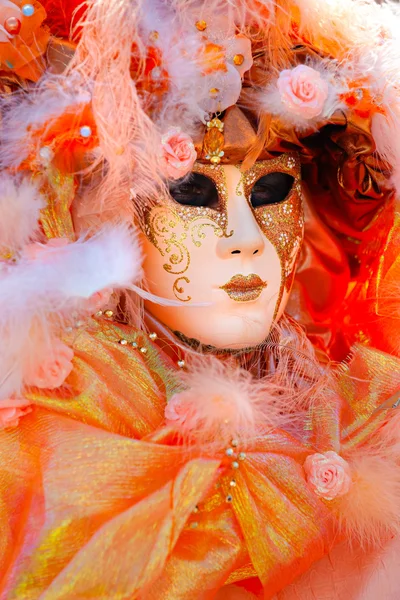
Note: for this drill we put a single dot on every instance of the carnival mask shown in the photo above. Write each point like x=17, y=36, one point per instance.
x=229, y=240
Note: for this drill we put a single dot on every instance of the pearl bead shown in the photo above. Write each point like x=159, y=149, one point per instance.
x=242, y=455
x=235, y=443
x=99, y=313
x=85, y=131
x=196, y=509
x=229, y=452
x=229, y=498
x=181, y=364
x=134, y=344
x=109, y=313
x=232, y=483
x=123, y=342
x=235, y=465
x=153, y=336
x=28, y=10
x=143, y=350
x=46, y=153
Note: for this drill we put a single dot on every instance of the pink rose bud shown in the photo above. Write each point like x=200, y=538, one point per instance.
x=177, y=409
x=178, y=153
x=328, y=475
x=52, y=370
x=11, y=410
x=303, y=91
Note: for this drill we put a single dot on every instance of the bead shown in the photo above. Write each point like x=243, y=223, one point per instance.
x=153, y=336
x=213, y=141
x=242, y=455
x=235, y=465
x=235, y=443
x=46, y=153
x=134, y=344
x=232, y=483
x=229, y=452
x=215, y=160
x=229, y=498
x=181, y=364
x=201, y=25
x=194, y=525
x=109, y=313
x=143, y=350
x=123, y=342
x=12, y=25
x=28, y=10
x=196, y=509
x=85, y=131
x=238, y=59
x=153, y=36
x=79, y=324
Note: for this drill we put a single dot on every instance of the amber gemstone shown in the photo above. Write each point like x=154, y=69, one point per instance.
x=213, y=142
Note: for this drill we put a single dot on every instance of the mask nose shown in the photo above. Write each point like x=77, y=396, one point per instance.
x=246, y=240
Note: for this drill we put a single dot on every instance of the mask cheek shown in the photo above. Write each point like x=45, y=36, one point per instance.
x=283, y=226
x=175, y=249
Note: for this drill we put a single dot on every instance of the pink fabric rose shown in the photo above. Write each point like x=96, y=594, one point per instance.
x=11, y=410
x=178, y=153
x=177, y=409
x=328, y=475
x=52, y=371
x=303, y=91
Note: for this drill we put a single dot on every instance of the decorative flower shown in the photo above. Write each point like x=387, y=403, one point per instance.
x=328, y=475
x=11, y=410
x=53, y=370
x=98, y=300
x=179, y=154
x=177, y=409
x=303, y=91
x=223, y=60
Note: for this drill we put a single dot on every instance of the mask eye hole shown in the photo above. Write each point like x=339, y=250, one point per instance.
x=198, y=190
x=273, y=188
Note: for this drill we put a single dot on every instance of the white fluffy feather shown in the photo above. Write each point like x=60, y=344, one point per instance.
x=38, y=295
x=20, y=203
x=26, y=113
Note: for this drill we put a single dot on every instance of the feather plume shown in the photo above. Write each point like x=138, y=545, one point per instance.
x=40, y=295
x=221, y=401
x=20, y=204
x=370, y=510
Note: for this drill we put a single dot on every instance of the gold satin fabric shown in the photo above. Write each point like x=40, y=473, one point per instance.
x=99, y=500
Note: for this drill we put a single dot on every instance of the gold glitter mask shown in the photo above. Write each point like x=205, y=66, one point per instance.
x=282, y=222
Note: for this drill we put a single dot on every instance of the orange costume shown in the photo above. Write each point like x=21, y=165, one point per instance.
x=136, y=462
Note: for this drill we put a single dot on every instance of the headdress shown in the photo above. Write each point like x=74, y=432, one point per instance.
x=103, y=102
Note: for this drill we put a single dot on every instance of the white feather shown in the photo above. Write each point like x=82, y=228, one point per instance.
x=38, y=295
x=20, y=204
